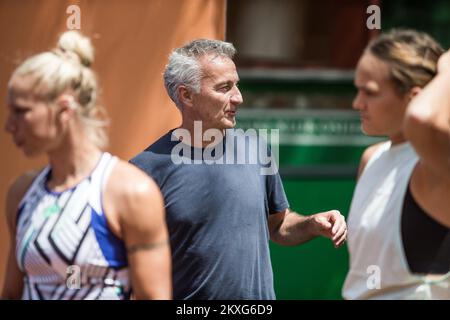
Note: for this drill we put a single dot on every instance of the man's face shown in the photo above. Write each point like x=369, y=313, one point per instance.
x=216, y=103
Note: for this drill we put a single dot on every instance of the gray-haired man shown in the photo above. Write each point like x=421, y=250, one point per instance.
x=220, y=215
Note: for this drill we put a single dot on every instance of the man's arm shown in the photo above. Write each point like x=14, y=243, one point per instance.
x=289, y=228
x=141, y=221
x=427, y=122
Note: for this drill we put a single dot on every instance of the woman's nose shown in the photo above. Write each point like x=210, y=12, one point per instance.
x=9, y=125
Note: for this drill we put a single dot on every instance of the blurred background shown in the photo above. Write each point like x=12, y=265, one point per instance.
x=296, y=62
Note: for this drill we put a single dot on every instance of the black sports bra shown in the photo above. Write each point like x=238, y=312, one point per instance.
x=426, y=242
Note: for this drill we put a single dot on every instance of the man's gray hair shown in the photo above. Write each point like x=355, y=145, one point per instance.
x=183, y=67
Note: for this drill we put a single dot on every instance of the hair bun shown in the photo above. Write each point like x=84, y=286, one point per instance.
x=74, y=45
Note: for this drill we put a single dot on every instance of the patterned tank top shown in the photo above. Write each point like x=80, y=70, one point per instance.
x=64, y=246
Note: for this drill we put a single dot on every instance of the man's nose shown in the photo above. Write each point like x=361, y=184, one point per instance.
x=236, y=98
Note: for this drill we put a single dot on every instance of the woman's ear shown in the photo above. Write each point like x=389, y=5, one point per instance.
x=66, y=107
x=414, y=92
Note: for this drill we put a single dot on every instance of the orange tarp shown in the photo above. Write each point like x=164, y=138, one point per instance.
x=132, y=39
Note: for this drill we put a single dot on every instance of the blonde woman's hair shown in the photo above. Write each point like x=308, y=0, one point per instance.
x=412, y=57
x=67, y=67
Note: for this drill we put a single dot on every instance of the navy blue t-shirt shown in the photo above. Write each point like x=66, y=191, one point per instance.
x=217, y=220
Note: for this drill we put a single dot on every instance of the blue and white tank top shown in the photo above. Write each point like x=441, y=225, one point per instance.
x=64, y=245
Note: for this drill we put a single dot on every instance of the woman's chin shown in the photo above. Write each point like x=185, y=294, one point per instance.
x=31, y=153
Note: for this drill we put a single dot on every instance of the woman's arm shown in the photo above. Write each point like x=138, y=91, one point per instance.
x=427, y=127
x=427, y=122
x=13, y=281
x=141, y=223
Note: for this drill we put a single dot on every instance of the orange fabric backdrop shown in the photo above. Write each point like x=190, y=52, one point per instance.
x=132, y=39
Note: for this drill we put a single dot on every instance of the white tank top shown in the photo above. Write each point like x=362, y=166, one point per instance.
x=378, y=265
x=63, y=243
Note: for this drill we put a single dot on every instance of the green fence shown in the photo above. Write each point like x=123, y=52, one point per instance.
x=319, y=152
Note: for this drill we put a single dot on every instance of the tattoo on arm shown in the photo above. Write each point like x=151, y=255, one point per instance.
x=146, y=246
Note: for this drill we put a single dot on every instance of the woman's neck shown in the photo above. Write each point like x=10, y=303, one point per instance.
x=397, y=139
x=71, y=162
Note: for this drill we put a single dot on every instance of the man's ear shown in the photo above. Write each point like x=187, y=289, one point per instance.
x=186, y=96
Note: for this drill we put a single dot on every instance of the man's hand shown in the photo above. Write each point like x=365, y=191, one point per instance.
x=330, y=224
x=290, y=229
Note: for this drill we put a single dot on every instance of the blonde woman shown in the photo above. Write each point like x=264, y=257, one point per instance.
x=88, y=225
x=398, y=242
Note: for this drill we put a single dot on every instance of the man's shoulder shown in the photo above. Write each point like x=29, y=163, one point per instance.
x=158, y=151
